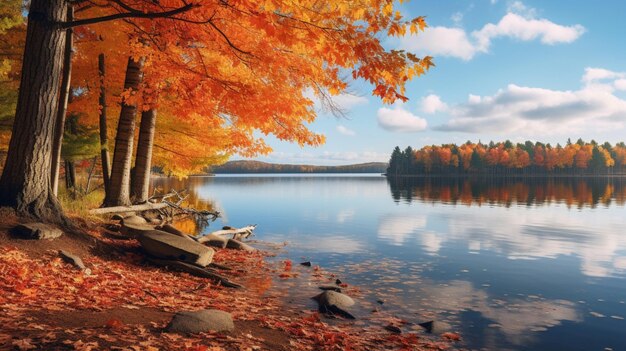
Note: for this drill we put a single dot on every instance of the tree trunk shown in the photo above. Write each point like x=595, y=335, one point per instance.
x=70, y=176
x=25, y=183
x=143, y=159
x=59, y=126
x=104, y=139
x=118, y=194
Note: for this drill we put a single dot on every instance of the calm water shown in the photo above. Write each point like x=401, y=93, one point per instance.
x=512, y=265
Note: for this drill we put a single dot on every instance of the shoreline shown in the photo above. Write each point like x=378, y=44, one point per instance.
x=125, y=303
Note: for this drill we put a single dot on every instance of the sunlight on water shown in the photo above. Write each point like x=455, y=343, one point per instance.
x=513, y=265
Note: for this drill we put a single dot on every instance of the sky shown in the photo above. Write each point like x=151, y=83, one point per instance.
x=518, y=70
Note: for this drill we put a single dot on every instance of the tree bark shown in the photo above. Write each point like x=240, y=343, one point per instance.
x=104, y=139
x=25, y=183
x=143, y=159
x=118, y=194
x=70, y=175
x=59, y=126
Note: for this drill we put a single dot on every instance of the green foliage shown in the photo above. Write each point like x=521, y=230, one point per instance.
x=79, y=142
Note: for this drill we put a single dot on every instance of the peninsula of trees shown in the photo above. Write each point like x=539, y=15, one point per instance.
x=506, y=158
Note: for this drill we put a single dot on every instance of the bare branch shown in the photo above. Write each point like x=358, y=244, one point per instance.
x=133, y=14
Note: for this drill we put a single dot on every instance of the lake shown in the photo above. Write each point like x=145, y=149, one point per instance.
x=511, y=264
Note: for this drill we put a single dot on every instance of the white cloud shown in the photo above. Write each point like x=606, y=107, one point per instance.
x=457, y=18
x=440, y=41
x=344, y=101
x=543, y=111
x=345, y=131
x=515, y=26
x=519, y=23
x=398, y=119
x=433, y=104
x=593, y=75
x=519, y=7
x=348, y=101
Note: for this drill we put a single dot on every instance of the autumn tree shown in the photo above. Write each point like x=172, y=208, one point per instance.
x=203, y=58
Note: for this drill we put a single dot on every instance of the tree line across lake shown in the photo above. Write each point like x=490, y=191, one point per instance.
x=506, y=158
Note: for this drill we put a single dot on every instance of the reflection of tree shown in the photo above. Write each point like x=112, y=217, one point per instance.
x=504, y=191
x=165, y=185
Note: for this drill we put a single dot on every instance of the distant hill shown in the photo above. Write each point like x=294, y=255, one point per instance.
x=244, y=166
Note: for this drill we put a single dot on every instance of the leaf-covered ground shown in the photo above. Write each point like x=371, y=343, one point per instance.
x=46, y=304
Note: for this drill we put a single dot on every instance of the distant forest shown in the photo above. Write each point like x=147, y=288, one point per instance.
x=506, y=158
x=263, y=167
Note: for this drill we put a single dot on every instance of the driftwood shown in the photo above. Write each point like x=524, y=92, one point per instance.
x=195, y=270
x=134, y=208
x=242, y=232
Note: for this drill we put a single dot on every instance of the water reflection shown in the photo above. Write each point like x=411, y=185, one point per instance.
x=512, y=264
x=577, y=192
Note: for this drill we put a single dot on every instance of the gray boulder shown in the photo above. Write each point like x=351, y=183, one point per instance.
x=134, y=220
x=135, y=230
x=173, y=230
x=238, y=245
x=37, y=231
x=72, y=259
x=201, y=322
x=173, y=247
x=214, y=240
x=334, y=302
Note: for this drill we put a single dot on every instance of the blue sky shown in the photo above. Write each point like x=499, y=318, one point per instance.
x=518, y=70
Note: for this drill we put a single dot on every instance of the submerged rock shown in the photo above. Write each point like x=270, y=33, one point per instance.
x=436, y=327
x=201, y=322
x=334, y=302
x=173, y=247
x=37, y=231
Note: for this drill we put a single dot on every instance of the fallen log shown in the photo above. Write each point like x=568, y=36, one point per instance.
x=134, y=208
x=195, y=270
x=243, y=232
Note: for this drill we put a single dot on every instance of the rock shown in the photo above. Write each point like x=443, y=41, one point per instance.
x=195, y=270
x=37, y=231
x=173, y=247
x=336, y=303
x=338, y=282
x=214, y=240
x=170, y=229
x=306, y=264
x=392, y=328
x=73, y=259
x=117, y=217
x=134, y=220
x=436, y=327
x=238, y=245
x=135, y=230
x=201, y=322
x=333, y=288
